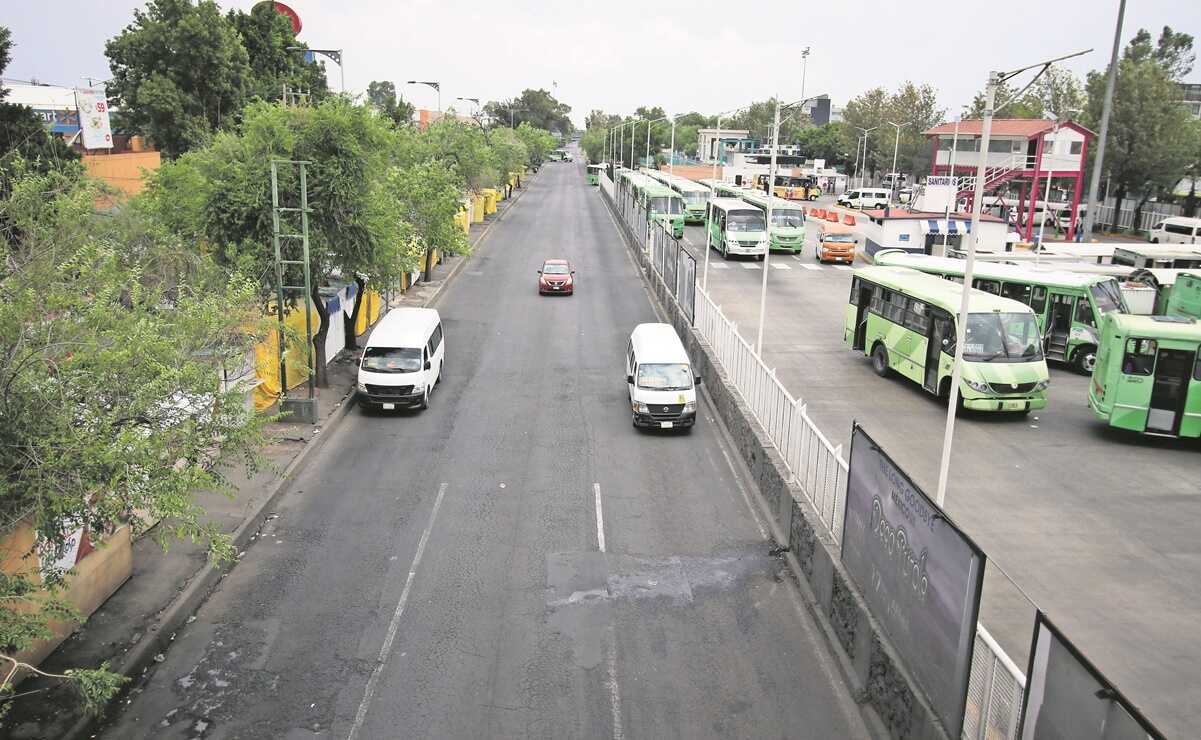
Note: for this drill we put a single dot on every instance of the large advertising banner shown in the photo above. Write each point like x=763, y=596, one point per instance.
x=1067, y=698
x=93, y=118
x=920, y=575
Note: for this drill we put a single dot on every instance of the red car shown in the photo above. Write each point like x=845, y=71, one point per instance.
x=556, y=278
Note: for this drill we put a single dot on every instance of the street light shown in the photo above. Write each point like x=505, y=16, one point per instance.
x=895, y=146
x=436, y=85
x=1090, y=213
x=865, y=131
x=804, y=68
x=954, y=187
x=995, y=80
x=334, y=54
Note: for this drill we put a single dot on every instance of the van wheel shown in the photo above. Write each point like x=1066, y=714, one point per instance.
x=425, y=399
x=1085, y=360
x=1155, y=240
x=880, y=360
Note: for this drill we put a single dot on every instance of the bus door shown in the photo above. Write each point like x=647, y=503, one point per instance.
x=1169, y=390
x=1059, y=325
x=863, y=300
x=942, y=339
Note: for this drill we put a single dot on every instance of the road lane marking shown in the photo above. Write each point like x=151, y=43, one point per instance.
x=809, y=266
x=844, y=268
x=719, y=266
x=600, y=518
x=781, y=266
x=614, y=689
x=386, y=649
x=750, y=266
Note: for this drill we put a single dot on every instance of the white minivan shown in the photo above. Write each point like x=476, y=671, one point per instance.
x=402, y=361
x=660, y=380
x=864, y=198
x=1176, y=230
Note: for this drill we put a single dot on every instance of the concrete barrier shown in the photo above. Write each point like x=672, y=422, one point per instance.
x=888, y=696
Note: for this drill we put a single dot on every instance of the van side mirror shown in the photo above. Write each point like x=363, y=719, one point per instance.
x=540, y=272
x=427, y=365
x=696, y=379
x=630, y=379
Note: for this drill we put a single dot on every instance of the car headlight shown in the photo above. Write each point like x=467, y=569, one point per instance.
x=977, y=385
x=690, y=407
x=640, y=408
x=1042, y=385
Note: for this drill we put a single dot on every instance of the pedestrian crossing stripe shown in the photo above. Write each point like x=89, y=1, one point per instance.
x=750, y=266
x=720, y=266
x=808, y=266
x=844, y=268
x=780, y=266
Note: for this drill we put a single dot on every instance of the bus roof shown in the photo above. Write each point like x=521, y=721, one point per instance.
x=732, y=204
x=1161, y=275
x=596, y=166
x=1157, y=250
x=936, y=291
x=989, y=270
x=658, y=190
x=759, y=199
x=1163, y=327
x=676, y=182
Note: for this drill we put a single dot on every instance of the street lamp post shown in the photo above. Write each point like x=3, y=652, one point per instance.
x=709, y=213
x=430, y=83
x=771, y=180
x=995, y=80
x=671, y=162
x=804, y=68
x=334, y=54
x=1090, y=212
x=895, y=146
x=954, y=188
x=865, y=131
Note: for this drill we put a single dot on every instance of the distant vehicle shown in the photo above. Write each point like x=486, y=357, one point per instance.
x=1176, y=230
x=556, y=278
x=557, y=155
x=594, y=171
x=787, y=229
x=894, y=180
x=403, y=359
x=790, y=187
x=695, y=195
x=1182, y=257
x=737, y=227
x=1069, y=305
x=1148, y=375
x=907, y=322
x=865, y=198
x=835, y=243
x=659, y=378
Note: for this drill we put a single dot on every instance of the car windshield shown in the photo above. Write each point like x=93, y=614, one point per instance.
x=1002, y=337
x=554, y=269
x=392, y=359
x=745, y=221
x=1108, y=296
x=842, y=238
x=787, y=219
x=665, y=377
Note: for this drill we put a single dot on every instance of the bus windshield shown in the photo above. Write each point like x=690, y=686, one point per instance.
x=664, y=204
x=1002, y=337
x=787, y=218
x=695, y=197
x=745, y=221
x=1107, y=296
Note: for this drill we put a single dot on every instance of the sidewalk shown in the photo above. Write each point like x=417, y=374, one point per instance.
x=139, y=621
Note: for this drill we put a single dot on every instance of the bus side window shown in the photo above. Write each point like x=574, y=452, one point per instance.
x=1140, y=356
x=917, y=318
x=877, y=306
x=1038, y=299
x=1197, y=367
x=896, y=309
x=988, y=286
x=1016, y=291
x=855, y=291
x=1084, y=312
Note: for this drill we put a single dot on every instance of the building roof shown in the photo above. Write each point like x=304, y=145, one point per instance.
x=1027, y=127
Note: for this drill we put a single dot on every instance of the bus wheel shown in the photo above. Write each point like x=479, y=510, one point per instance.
x=1085, y=360
x=880, y=360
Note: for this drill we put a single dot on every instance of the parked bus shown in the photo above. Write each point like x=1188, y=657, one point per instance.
x=1181, y=257
x=787, y=230
x=594, y=171
x=665, y=205
x=695, y=195
x=1148, y=375
x=907, y=322
x=1069, y=305
x=737, y=228
x=790, y=187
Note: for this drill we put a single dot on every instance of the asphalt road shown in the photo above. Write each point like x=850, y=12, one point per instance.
x=442, y=574
x=1098, y=527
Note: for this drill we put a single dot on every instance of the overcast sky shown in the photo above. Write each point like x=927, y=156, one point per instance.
x=683, y=56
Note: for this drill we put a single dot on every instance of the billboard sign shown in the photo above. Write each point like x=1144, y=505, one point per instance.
x=93, y=118
x=920, y=575
x=1067, y=698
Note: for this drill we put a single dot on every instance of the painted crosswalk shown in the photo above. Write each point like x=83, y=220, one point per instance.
x=781, y=266
x=719, y=266
x=750, y=266
x=810, y=266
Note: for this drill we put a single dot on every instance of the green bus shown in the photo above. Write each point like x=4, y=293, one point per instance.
x=907, y=322
x=660, y=202
x=736, y=228
x=1148, y=375
x=787, y=229
x=1069, y=305
x=1177, y=292
x=695, y=195
x=594, y=171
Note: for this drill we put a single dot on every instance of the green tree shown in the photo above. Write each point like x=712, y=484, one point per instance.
x=537, y=107
x=266, y=36
x=538, y=143
x=382, y=95
x=180, y=73
x=593, y=143
x=1152, y=138
x=1054, y=93
x=464, y=149
x=828, y=142
x=21, y=131
x=109, y=388
x=914, y=107
x=428, y=199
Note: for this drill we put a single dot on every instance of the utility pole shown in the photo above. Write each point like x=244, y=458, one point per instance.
x=954, y=188
x=709, y=211
x=771, y=187
x=671, y=163
x=1090, y=212
x=895, y=146
x=804, y=68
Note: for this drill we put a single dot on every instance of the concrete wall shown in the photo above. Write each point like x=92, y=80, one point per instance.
x=122, y=171
x=886, y=692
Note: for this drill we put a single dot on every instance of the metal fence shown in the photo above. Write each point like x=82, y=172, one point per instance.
x=1124, y=218
x=817, y=467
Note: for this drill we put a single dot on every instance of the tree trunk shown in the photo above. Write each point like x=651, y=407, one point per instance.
x=319, y=340
x=1190, y=200
x=1138, y=213
x=1120, y=198
x=429, y=264
x=353, y=321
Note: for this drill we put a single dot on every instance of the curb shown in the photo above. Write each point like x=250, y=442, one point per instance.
x=159, y=635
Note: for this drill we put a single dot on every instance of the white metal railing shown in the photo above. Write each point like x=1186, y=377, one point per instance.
x=995, y=684
x=992, y=173
x=1123, y=218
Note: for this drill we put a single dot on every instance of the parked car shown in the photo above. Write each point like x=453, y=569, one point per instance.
x=1176, y=230
x=659, y=378
x=556, y=278
x=403, y=359
x=865, y=198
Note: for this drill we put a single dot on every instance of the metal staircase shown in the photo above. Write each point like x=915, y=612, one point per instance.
x=995, y=176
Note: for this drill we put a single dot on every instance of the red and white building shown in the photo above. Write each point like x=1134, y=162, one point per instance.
x=1022, y=152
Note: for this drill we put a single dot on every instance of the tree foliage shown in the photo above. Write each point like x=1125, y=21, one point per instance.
x=1056, y=93
x=382, y=95
x=21, y=131
x=266, y=36
x=537, y=107
x=538, y=143
x=914, y=107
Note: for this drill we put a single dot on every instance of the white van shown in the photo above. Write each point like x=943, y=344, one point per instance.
x=1176, y=230
x=660, y=379
x=865, y=198
x=402, y=361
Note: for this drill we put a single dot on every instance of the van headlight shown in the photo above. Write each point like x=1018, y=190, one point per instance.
x=690, y=407
x=640, y=408
x=977, y=385
x=763, y=243
x=731, y=244
x=1042, y=385
x=362, y=387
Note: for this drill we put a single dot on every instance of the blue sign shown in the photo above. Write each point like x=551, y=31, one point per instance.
x=59, y=121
